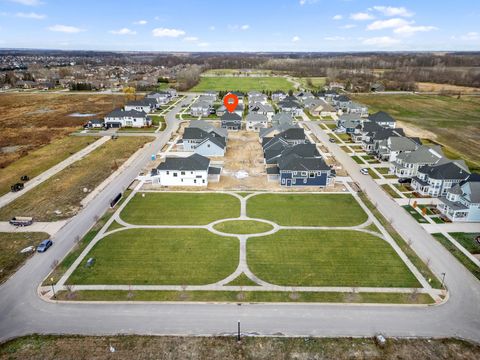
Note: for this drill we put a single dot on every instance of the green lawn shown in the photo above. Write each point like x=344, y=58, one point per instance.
x=307, y=209
x=243, y=227
x=247, y=296
x=242, y=280
x=327, y=258
x=383, y=171
x=358, y=160
x=159, y=257
x=454, y=121
x=180, y=208
x=465, y=261
x=10, y=245
x=467, y=240
x=243, y=84
x=390, y=191
x=415, y=214
x=312, y=83
x=41, y=160
x=373, y=174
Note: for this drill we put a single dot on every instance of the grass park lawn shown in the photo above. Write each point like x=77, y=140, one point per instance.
x=243, y=84
x=467, y=240
x=10, y=245
x=390, y=191
x=242, y=280
x=412, y=255
x=312, y=83
x=159, y=257
x=180, y=208
x=69, y=183
x=41, y=160
x=403, y=188
x=454, y=121
x=148, y=129
x=327, y=258
x=307, y=209
x=465, y=261
x=243, y=227
x=382, y=171
x=414, y=213
x=246, y=296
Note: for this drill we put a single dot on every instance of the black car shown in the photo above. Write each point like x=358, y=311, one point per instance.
x=404, y=181
x=332, y=140
x=25, y=178
x=17, y=187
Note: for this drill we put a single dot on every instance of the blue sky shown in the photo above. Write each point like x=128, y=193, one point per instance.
x=281, y=25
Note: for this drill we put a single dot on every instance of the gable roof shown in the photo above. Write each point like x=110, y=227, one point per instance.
x=294, y=162
x=190, y=163
x=207, y=127
x=381, y=117
x=280, y=127
x=123, y=113
x=228, y=116
x=255, y=117
x=422, y=155
x=398, y=143
x=445, y=171
x=283, y=118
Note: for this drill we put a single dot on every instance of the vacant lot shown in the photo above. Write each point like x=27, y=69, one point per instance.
x=312, y=83
x=65, y=190
x=450, y=121
x=41, y=159
x=49, y=347
x=327, y=258
x=243, y=84
x=10, y=245
x=180, y=208
x=307, y=209
x=159, y=257
x=30, y=121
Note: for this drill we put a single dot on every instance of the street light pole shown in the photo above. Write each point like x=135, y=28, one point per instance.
x=53, y=288
x=443, y=279
x=238, y=331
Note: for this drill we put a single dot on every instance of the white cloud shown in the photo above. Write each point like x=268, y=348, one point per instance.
x=337, y=17
x=211, y=28
x=140, y=22
x=245, y=27
x=472, y=35
x=383, y=41
x=123, y=31
x=31, y=15
x=239, y=27
x=295, y=39
x=28, y=2
x=203, y=44
x=303, y=2
x=393, y=11
x=348, y=26
x=410, y=30
x=334, y=38
x=388, y=24
x=65, y=29
x=164, y=32
x=361, y=16
x=190, y=38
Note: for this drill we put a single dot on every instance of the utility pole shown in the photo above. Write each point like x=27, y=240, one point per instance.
x=238, y=331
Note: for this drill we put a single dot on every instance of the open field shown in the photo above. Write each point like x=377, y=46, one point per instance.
x=41, y=160
x=243, y=227
x=307, y=209
x=10, y=245
x=159, y=257
x=435, y=87
x=465, y=261
x=448, y=120
x=316, y=82
x=180, y=208
x=30, y=121
x=243, y=84
x=50, y=347
x=246, y=296
x=69, y=184
x=232, y=72
x=327, y=258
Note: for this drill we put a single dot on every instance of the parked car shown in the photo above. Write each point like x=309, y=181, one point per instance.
x=17, y=187
x=332, y=140
x=44, y=245
x=25, y=178
x=21, y=221
x=364, y=171
x=404, y=180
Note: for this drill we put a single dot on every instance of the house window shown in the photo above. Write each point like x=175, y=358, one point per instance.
x=168, y=172
x=183, y=173
x=304, y=173
x=191, y=172
x=198, y=176
x=175, y=174
x=194, y=181
x=312, y=175
x=203, y=181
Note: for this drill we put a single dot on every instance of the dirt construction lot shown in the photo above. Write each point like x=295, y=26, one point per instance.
x=227, y=348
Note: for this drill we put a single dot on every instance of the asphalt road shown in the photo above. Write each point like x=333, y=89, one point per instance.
x=22, y=312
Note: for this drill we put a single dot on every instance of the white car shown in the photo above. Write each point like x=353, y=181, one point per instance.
x=364, y=171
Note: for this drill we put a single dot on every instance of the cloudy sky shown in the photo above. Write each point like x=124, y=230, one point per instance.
x=213, y=25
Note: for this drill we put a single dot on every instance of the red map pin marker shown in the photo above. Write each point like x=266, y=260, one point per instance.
x=230, y=101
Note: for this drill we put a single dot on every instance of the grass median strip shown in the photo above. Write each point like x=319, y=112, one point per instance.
x=180, y=208
x=307, y=209
x=69, y=185
x=243, y=227
x=159, y=257
x=327, y=258
x=247, y=296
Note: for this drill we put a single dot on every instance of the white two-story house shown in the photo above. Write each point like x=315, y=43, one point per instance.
x=121, y=118
x=176, y=171
x=407, y=164
x=462, y=201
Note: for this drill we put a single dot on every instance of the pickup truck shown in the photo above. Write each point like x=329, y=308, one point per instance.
x=21, y=221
